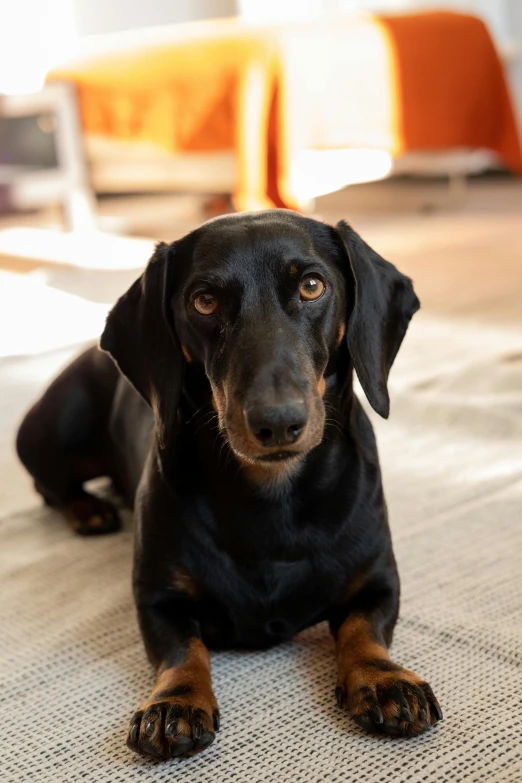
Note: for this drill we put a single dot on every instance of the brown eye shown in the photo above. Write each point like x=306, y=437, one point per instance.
x=311, y=288
x=206, y=304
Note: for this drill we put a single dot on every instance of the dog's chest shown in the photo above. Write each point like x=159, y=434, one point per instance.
x=268, y=570
x=264, y=594
x=268, y=603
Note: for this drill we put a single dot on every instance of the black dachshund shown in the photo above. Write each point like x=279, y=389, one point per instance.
x=229, y=421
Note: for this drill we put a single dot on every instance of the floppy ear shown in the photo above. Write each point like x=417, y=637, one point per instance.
x=140, y=337
x=384, y=305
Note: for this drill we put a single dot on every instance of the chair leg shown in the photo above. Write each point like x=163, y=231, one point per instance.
x=79, y=198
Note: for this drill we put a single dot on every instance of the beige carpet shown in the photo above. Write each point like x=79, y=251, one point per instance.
x=72, y=668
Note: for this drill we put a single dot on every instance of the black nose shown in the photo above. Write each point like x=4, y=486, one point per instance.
x=277, y=425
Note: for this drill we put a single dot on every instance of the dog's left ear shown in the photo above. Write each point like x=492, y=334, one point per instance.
x=140, y=337
x=384, y=305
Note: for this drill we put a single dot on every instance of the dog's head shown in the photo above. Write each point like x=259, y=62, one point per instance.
x=263, y=304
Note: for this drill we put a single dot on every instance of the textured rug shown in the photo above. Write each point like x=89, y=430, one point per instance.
x=72, y=667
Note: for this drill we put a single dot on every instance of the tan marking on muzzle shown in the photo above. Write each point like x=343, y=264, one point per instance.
x=270, y=474
x=341, y=333
x=219, y=401
x=186, y=354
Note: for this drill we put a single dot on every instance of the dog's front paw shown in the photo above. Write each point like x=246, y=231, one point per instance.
x=180, y=725
x=385, y=698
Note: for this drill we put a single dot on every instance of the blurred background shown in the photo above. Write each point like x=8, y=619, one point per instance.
x=122, y=123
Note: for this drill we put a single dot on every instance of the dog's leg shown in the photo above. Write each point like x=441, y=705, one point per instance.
x=380, y=695
x=63, y=442
x=181, y=715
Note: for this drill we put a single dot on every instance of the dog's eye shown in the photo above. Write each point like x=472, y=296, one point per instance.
x=206, y=304
x=311, y=288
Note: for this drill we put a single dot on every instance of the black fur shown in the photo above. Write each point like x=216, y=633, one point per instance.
x=269, y=554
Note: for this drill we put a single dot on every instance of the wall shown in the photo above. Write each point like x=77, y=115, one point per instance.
x=109, y=16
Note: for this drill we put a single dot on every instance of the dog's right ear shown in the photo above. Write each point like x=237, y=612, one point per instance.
x=140, y=337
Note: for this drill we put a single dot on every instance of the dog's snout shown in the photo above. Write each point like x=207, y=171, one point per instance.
x=277, y=425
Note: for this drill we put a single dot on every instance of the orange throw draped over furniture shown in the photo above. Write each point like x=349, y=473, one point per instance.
x=430, y=81
x=450, y=89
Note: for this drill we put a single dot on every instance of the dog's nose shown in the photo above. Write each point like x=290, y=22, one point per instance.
x=277, y=425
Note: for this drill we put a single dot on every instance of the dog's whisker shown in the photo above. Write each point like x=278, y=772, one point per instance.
x=224, y=444
x=206, y=421
x=333, y=424
x=203, y=425
x=195, y=413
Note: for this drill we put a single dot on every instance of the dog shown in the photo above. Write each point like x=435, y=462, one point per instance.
x=221, y=406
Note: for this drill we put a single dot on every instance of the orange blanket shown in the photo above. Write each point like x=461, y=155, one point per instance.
x=450, y=89
x=428, y=81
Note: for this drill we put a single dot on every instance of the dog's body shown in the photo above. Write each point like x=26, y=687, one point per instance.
x=253, y=467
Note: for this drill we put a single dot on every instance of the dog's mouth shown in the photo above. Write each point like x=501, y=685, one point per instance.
x=278, y=456
x=273, y=458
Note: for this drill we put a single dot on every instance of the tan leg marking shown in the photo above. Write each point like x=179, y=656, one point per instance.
x=379, y=694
